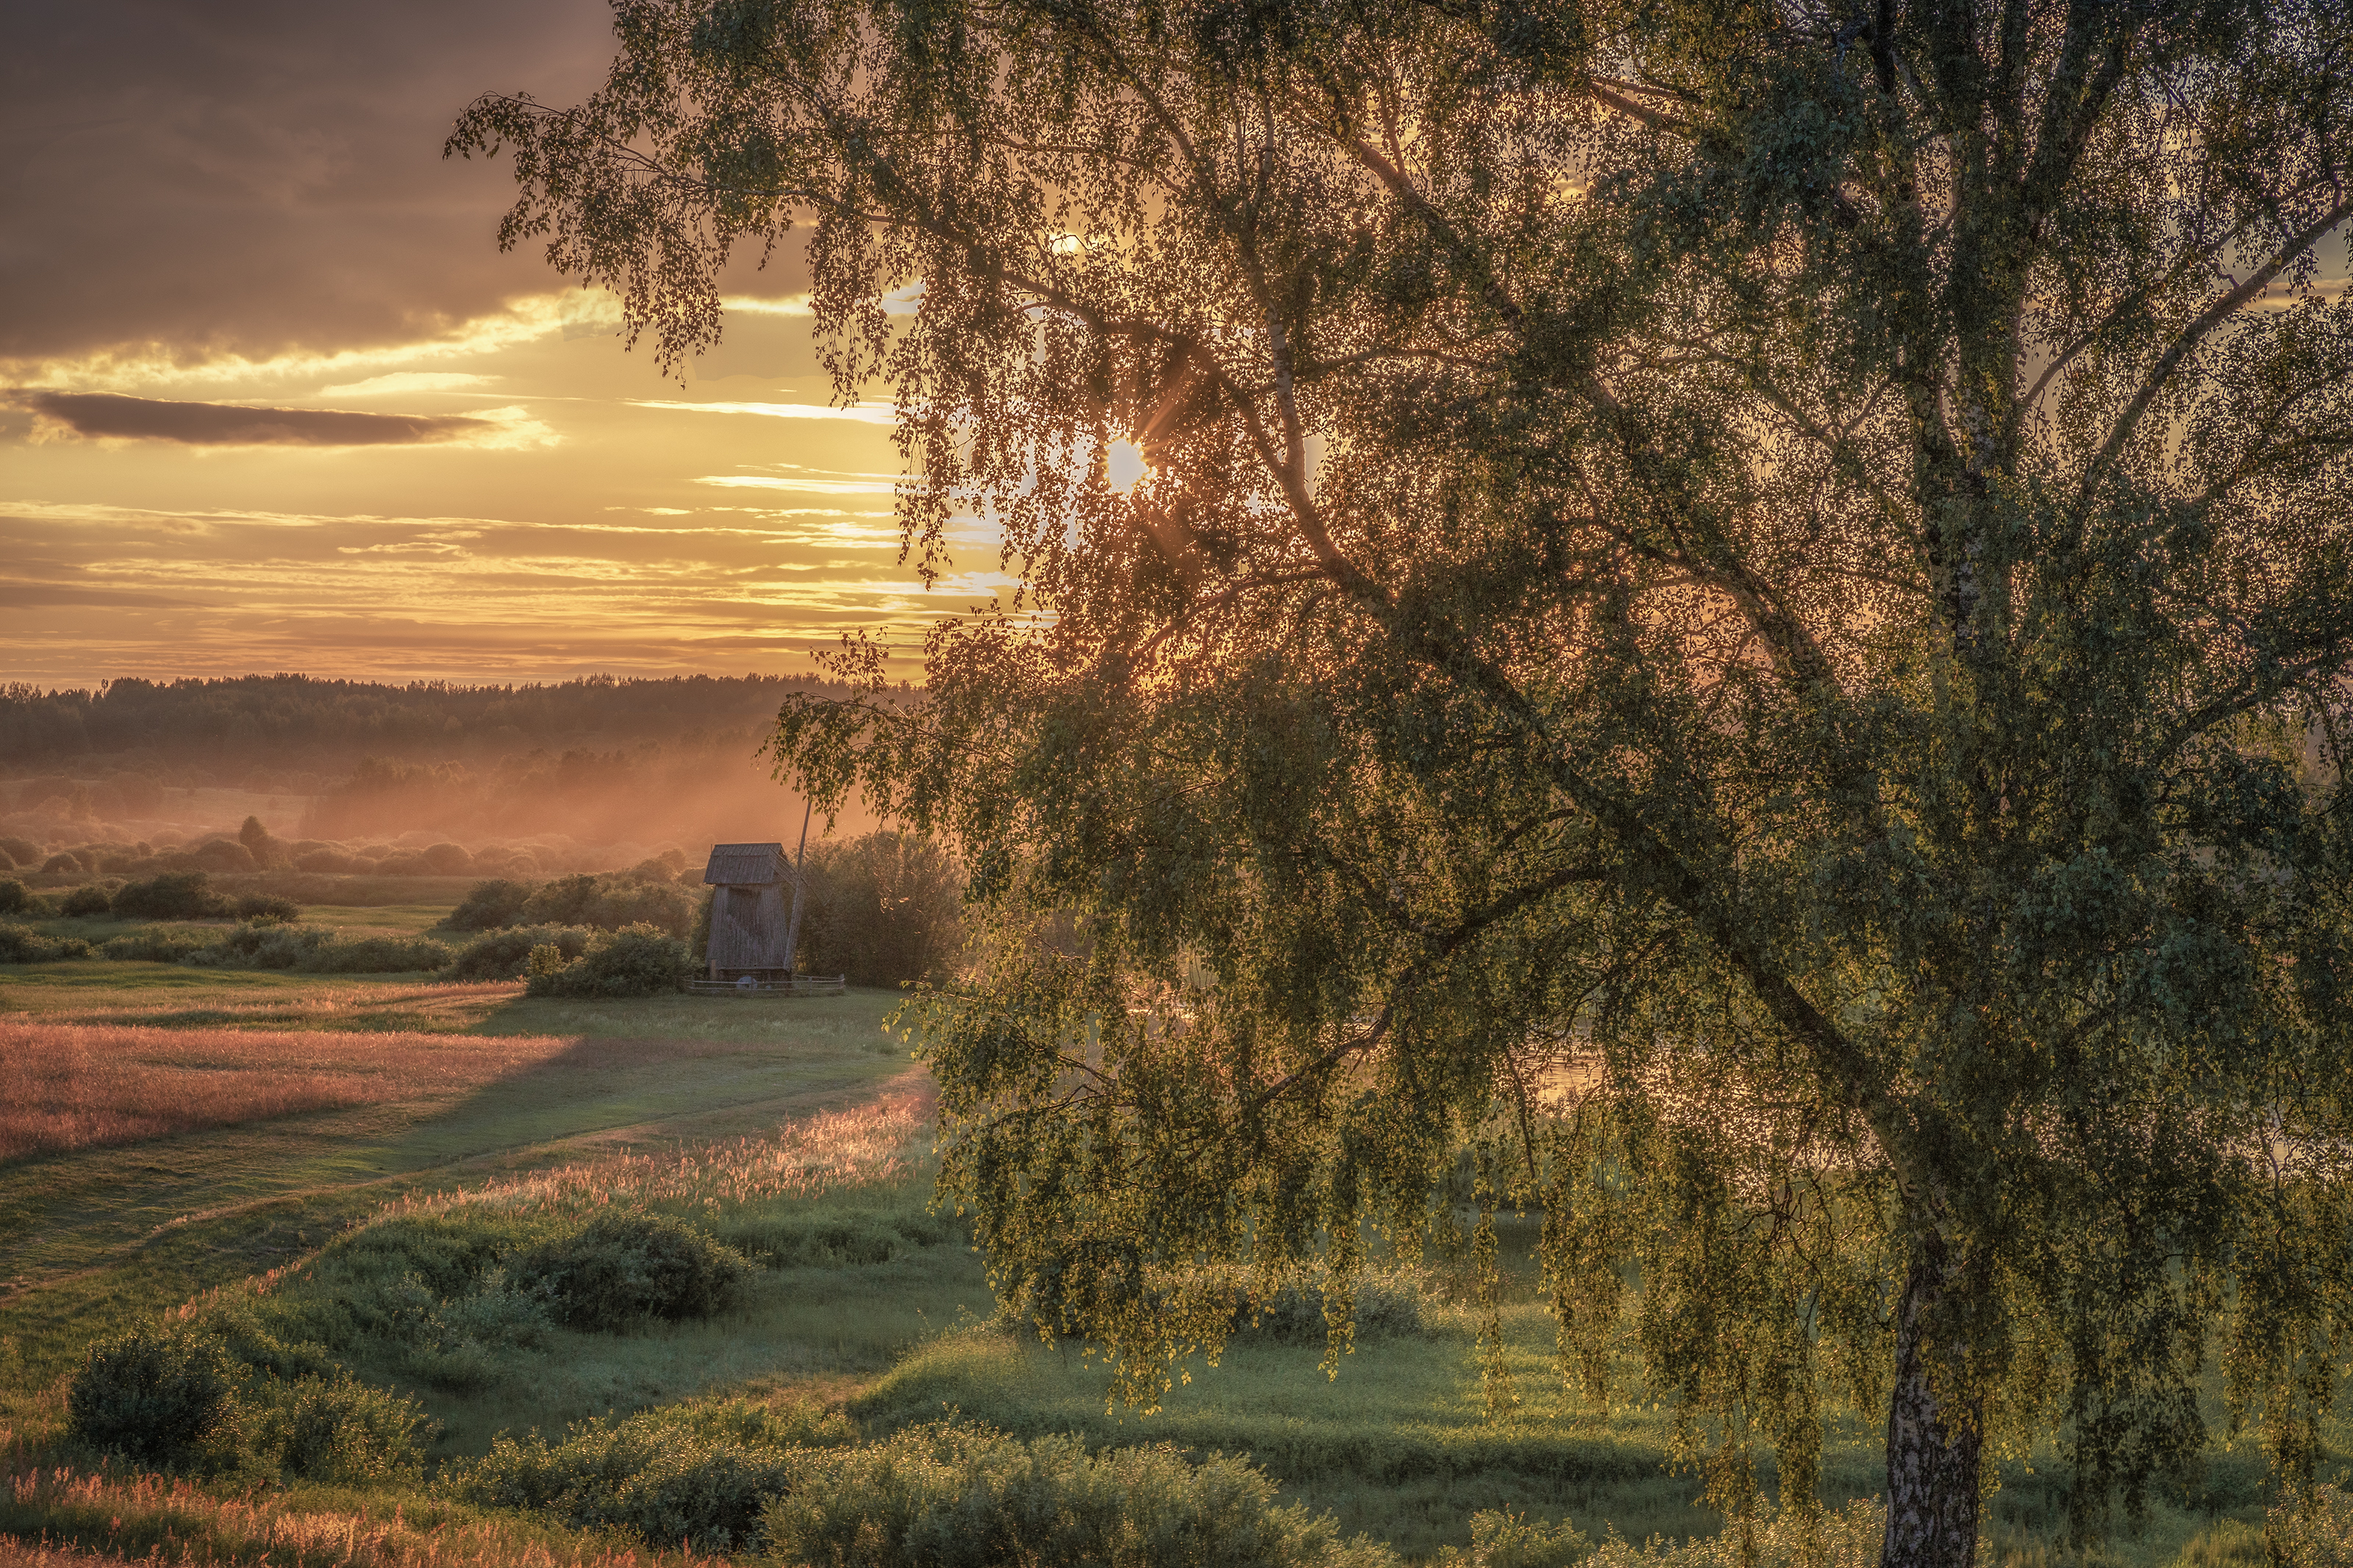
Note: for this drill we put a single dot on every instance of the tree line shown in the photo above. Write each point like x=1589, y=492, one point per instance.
x=256, y=717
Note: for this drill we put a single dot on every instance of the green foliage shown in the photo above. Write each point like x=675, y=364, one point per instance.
x=335, y=1429
x=13, y=896
x=161, y=944
x=636, y=961
x=265, y=906
x=20, y=943
x=883, y=910
x=223, y=1395
x=265, y=943
x=1789, y=1538
x=488, y=905
x=623, y=1268
x=506, y=954
x=2311, y=1531
x=1744, y=621
x=172, y=896
x=609, y=903
x=854, y=1238
x=695, y=1473
x=85, y=902
x=1509, y=1541
x=947, y=1496
x=157, y=1396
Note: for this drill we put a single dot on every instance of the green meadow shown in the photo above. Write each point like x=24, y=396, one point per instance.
x=862, y=1312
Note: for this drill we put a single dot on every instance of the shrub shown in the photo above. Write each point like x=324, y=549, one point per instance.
x=505, y=954
x=21, y=943
x=373, y=955
x=610, y=903
x=858, y=1240
x=267, y=907
x=154, y=1395
x=486, y=906
x=2313, y=1531
x=309, y=950
x=14, y=896
x=447, y=859
x=159, y=944
x=223, y=855
x=1386, y=1304
x=621, y=1269
x=884, y=909
x=1508, y=1541
x=88, y=900
x=174, y=896
x=684, y=1473
x=667, y=867
x=1850, y=1538
x=960, y=1496
x=636, y=962
x=335, y=1429
x=63, y=862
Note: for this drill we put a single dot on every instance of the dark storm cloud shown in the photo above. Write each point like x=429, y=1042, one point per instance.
x=258, y=175
x=103, y=413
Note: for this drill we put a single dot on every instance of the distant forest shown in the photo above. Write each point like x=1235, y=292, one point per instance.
x=599, y=760
x=295, y=721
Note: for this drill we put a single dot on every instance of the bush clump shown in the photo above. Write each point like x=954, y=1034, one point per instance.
x=335, y=1429
x=1508, y=1541
x=265, y=907
x=174, y=896
x=697, y=1474
x=315, y=950
x=156, y=1397
x=85, y=900
x=20, y=943
x=14, y=896
x=609, y=903
x=638, y=961
x=1386, y=1305
x=506, y=954
x=487, y=905
x=948, y=1496
x=833, y=1241
x=621, y=1269
x=193, y=1396
x=160, y=944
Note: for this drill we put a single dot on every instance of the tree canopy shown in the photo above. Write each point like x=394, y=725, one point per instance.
x=1738, y=609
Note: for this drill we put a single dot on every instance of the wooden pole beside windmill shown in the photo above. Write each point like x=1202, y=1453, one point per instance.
x=793, y=925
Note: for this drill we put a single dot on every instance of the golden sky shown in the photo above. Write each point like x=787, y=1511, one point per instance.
x=271, y=400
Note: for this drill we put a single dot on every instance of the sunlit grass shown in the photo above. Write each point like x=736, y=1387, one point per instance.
x=59, y=1517
x=875, y=1142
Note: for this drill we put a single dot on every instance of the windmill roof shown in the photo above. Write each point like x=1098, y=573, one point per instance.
x=746, y=865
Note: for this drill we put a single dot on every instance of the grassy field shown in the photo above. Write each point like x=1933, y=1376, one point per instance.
x=264, y=1125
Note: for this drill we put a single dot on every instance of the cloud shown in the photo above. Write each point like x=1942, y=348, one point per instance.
x=407, y=381
x=800, y=485
x=863, y=413
x=107, y=415
x=43, y=596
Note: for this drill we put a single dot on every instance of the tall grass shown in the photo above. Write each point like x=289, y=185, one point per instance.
x=69, y=1086
x=51, y=1511
x=866, y=1146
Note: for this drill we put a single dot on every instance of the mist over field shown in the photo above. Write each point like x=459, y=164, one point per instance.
x=426, y=779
